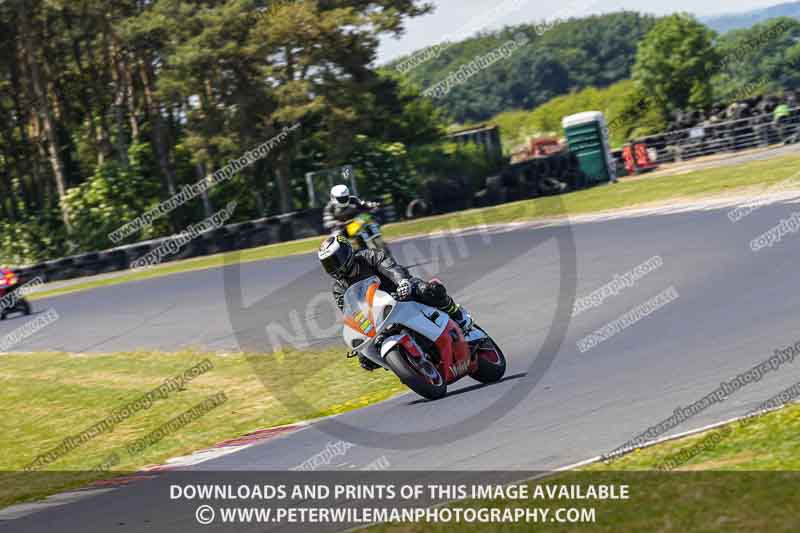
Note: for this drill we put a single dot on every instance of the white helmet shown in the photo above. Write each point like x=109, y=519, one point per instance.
x=340, y=194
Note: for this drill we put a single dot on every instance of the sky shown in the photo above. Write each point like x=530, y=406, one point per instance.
x=457, y=19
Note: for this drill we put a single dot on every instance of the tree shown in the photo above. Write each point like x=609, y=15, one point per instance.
x=572, y=55
x=319, y=68
x=675, y=63
x=31, y=48
x=767, y=54
x=108, y=108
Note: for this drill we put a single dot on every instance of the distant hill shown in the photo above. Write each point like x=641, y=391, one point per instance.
x=735, y=21
x=594, y=51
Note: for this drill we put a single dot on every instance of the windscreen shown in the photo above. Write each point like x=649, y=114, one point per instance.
x=358, y=306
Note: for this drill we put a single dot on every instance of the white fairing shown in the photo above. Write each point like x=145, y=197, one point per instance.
x=390, y=343
x=425, y=320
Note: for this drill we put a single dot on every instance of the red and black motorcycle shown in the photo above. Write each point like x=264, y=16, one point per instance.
x=423, y=346
x=11, y=298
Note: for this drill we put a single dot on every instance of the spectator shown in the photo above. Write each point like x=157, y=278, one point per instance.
x=780, y=120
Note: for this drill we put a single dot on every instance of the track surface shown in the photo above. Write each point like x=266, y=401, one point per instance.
x=735, y=307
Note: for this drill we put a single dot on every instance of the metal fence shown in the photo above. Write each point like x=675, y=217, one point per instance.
x=718, y=137
x=239, y=236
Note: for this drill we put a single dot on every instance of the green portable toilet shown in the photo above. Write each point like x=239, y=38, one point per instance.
x=587, y=136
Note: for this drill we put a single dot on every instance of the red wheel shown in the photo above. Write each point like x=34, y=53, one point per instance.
x=421, y=377
x=491, y=362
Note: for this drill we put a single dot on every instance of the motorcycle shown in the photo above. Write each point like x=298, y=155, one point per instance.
x=364, y=232
x=422, y=345
x=10, y=303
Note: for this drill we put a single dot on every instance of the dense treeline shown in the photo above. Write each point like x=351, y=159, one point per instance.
x=109, y=107
x=578, y=53
x=672, y=81
x=768, y=52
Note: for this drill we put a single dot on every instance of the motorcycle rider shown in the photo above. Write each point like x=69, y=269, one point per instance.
x=343, y=207
x=7, y=278
x=8, y=283
x=347, y=267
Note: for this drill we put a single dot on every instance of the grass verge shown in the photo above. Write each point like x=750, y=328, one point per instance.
x=740, y=477
x=752, y=175
x=48, y=397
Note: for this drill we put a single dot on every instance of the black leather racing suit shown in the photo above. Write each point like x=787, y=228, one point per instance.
x=368, y=263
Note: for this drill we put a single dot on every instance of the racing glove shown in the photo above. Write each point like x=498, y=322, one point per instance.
x=405, y=289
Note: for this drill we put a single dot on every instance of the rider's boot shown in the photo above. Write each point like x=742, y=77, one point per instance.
x=460, y=315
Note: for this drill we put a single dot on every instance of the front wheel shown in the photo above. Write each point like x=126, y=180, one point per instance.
x=423, y=377
x=491, y=362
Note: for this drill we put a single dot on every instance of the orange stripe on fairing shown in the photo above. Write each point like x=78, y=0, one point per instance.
x=352, y=323
x=371, y=298
x=371, y=294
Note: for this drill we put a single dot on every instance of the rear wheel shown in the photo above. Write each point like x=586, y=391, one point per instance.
x=420, y=376
x=25, y=307
x=491, y=362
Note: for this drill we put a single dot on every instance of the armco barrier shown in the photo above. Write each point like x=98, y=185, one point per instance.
x=238, y=236
x=520, y=180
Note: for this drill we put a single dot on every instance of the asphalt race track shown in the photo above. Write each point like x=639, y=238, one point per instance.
x=735, y=307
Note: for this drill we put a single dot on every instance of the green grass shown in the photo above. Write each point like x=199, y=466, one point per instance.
x=746, y=481
x=47, y=397
x=767, y=442
x=754, y=174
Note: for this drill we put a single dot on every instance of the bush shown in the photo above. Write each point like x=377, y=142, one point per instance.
x=108, y=199
x=620, y=103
